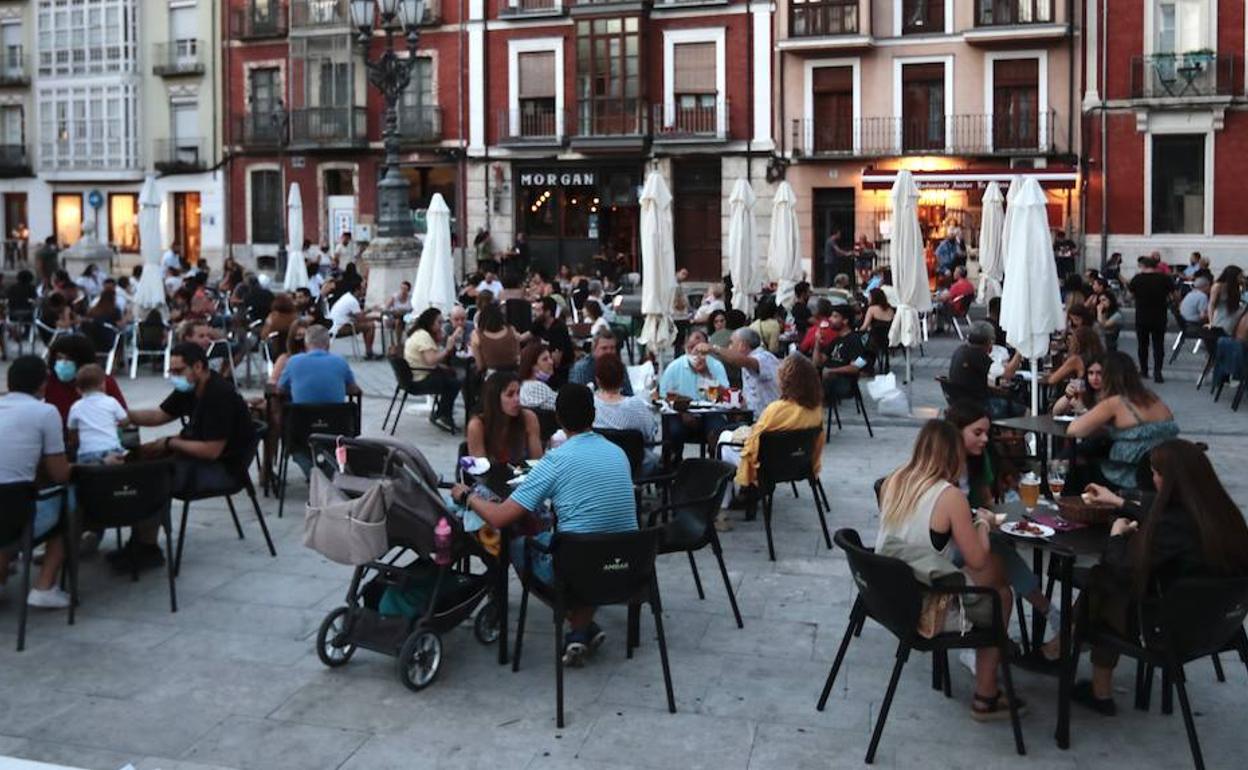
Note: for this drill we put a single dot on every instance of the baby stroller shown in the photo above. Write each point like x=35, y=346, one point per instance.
x=393, y=558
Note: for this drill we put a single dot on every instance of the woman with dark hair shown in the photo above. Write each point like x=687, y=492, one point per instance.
x=282, y=315
x=1136, y=419
x=1225, y=300
x=1082, y=343
x=426, y=351
x=536, y=368
x=295, y=345
x=717, y=323
x=1190, y=528
x=495, y=345
x=615, y=411
x=67, y=354
x=1109, y=320
x=504, y=431
x=767, y=324
x=1083, y=394
x=105, y=309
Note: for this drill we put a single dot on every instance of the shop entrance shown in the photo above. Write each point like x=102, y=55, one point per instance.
x=833, y=211
x=186, y=232
x=696, y=195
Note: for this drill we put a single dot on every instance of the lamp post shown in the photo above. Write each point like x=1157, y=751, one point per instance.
x=394, y=249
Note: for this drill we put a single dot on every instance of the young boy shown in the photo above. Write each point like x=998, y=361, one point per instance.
x=94, y=418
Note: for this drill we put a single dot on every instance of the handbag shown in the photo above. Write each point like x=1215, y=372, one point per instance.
x=343, y=529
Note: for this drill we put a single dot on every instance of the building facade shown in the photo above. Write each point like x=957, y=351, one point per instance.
x=961, y=93
x=299, y=109
x=96, y=94
x=1165, y=124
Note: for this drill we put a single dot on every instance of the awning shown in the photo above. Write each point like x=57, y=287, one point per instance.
x=1050, y=178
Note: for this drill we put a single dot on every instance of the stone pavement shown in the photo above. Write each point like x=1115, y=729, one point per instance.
x=232, y=681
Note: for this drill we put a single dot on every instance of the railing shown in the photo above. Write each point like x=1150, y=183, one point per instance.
x=329, y=126
x=180, y=57
x=420, y=124
x=531, y=127
x=1003, y=13
x=13, y=157
x=958, y=134
x=254, y=21
x=1182, y=76
x=521, y=7
x=13, y=69
x=690, y=123
x=261, y=130
x=818, y=18
x=627, y=117
x=319, y=13
x=180, y=154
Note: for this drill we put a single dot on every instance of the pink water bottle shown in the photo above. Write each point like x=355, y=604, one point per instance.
x=442, y=543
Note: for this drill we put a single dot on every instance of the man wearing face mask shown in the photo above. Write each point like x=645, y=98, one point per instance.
x=210, y=452
x=67, y=355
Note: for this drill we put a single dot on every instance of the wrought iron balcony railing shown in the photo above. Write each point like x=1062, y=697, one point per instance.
x=701, y=123
x=820, y=18
x=329, y=126
x=259, y=19
x=1005, y=13
x=180, y=155
x=177, y=58
x=1002, y=135
x=1182, y=76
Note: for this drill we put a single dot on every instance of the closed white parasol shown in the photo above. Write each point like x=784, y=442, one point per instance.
x=296, y=269
x=658, y=265
x=742, y=246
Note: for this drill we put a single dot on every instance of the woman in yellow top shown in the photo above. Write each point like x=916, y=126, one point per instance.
x=799, y=407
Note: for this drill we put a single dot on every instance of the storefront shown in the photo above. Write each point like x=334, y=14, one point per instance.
x=574, y=213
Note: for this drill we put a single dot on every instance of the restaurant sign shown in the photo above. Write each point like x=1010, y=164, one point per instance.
x=558, y=179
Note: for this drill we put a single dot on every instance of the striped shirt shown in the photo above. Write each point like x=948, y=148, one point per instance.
x=589, y=483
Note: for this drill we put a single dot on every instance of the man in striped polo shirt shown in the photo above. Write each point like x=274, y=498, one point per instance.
x=589, y=484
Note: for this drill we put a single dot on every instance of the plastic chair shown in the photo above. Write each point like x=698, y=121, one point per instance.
x=408, y=386
x=105, y=338
x=17, y=529
x=788, y=457
x=151, y=340
x=348, y=330
x=299, y=421
x=889, y=594
x=596, y=571
x=221, y=350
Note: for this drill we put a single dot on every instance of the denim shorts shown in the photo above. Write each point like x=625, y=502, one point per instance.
x=48, y=511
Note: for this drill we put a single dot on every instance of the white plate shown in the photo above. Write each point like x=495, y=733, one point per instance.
x=514, y=481
x=479, y=466
x=1011, y=528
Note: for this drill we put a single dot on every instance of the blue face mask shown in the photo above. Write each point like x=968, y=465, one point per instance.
x=65, y=370
x=181, y=384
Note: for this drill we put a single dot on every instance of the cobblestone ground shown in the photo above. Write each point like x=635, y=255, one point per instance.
x=231, y=680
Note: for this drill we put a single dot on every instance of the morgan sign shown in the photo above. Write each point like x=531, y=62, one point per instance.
x=558, y=179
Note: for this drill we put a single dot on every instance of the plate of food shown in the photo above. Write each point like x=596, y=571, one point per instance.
x=1027, y=529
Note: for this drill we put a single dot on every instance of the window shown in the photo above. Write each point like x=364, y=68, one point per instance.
x=823, y=17
x=1001, y=12
x=87, y=37
x=185, y=127
x=12, y=132
x=266, y=206
x=1182, y=26
x=833, y=99
x=417, y=110
x=184, y=47
x=88, y=126
x=923, y=107
x=609, y=76
x=266, y=103
x=12, y=64
x=67, y=217
x=1016, y=104
x=694, y=89
x=537, y=93
x=123, y=221
x=1178, y=180
x=922, y=17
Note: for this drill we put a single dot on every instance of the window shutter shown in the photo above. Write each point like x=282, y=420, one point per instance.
x=182, y=23
x=833, y=80
x=185, y=121
x=537, y=75
x=694, y=67
x=1015, y=73
x=912, y=73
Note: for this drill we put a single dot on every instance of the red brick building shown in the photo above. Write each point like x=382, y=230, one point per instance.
x=1166, y=113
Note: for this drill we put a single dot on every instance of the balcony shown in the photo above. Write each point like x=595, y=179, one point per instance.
x=1199, y=75
x=999, y=21
x=178, y=58
x=691, y=124
x=14, y=161
x=532, y=8
x=823, y=18
x=319, y=14
x=604, y=7
x=531, y=128
x=180, y=156
x=258, y=20
x=420, y=125
x=328, y=127
x=990, y=135
x=261, y=130
x=13, y=69
x=620, y=124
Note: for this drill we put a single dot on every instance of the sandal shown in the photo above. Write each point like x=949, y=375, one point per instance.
x=986, y=709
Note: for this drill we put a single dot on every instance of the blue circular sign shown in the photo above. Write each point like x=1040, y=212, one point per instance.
x=95, y=199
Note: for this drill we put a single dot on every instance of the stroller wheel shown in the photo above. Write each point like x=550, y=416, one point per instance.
x=333, y=644
x=485, y=625
x=419, y=659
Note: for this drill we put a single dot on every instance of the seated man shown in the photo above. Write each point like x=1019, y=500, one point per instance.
x=210, y=453
x=590, y=486
x=954, y=300
x=605, y=344
x=819, y=332
x=347, y=310
x=840, y=292
x=1194, y=308
x=491, y=284
x=317, y=376
x=35, y=451
x=758, y=367
x=843, y=359
x=969, y=373
x=692, y=372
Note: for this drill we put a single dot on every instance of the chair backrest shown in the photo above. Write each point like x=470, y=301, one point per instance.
x=150, y=336
x=633, y=444
x=119, y=495
x=952, y=391
x=402, y=372
x=102, y=334
x=786, y=455
x=547, y=423
x=599, y=569
x=960, y=306
x=1199, y=616
x=218, y=349
x=701, y=478
x=887, y=586
x=302, y=420
x=19, y=510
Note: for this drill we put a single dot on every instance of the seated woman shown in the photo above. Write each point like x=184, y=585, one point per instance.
x=716, y=323
x=536, y=368
x=1082, y=394
x=282, y=315
x=615, y=411
x=767, y=324
x=1082, y=343
x=495, y=345
x=1136, y=419
x=503, y=431
x=593, y=315
x=68, y=354
x=924, y=517
x=1189, y=528
x=426, y=351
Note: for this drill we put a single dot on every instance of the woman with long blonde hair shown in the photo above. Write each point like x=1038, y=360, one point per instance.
x=923, y=514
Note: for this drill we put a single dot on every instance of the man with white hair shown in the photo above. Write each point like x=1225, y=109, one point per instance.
x=758, y=366
x=714, y=300
x=1195, y=305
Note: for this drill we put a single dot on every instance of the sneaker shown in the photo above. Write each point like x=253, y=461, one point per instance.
x=136, y=557
x=596, y=636
x=574, y=650
x=89, y=545
x=443, y=423
x=48, y=599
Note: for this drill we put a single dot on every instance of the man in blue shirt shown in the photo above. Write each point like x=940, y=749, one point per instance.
x=693, y=371
x=317, y=376
x=589, y=484
x=605, y=344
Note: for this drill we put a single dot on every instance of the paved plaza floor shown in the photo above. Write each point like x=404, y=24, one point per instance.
x=232, y=681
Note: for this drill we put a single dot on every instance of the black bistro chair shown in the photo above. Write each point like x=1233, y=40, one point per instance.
x=17, y=530
x=1194, y=618
x=596, y=571
x=788, y=457
x=697, y=490
x=122, y=496
x=302, y=420
x=406, y=385
x=889, y=594
x=834, y=409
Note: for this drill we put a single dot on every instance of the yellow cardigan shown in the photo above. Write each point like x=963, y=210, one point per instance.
x=779, y=415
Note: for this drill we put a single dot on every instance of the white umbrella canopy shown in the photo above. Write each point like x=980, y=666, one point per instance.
x=435, y=278
x=741, y=246
x=1011, y=193
x=784, y=260
x=151, y=290
x=990, y=227
x=658, y=265
x=909, y=267
x=296, y=269
x=1031, y=301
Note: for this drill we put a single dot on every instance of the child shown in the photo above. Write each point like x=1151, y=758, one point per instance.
x=94, y=418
